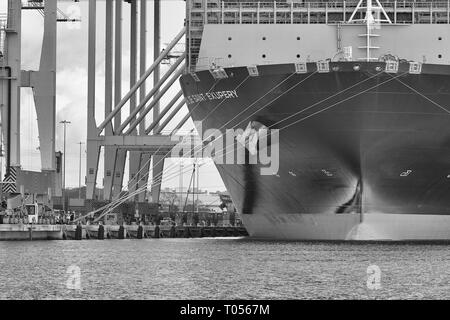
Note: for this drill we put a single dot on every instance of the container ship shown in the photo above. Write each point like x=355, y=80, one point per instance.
x=359, y=92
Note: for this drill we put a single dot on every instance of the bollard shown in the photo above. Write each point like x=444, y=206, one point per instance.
x=187, y=232
x=121, y=232
x=101, y=232
x=140, y=232
x=156, y=235
x=172, y=233
x=145, y=234
x=78, y=232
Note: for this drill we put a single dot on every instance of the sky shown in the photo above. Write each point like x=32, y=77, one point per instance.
x=71, y=86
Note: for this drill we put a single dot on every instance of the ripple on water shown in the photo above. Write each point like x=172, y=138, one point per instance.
x=222, y=269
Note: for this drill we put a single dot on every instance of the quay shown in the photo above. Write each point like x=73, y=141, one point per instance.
x=33, y=203
x=101, y=232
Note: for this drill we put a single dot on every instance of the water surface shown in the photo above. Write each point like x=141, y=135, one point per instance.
x=222, y=268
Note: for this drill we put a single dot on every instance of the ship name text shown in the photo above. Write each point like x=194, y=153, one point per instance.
x=209, y=96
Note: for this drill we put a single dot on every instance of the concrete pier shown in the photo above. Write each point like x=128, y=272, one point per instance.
x=71, y=233
x=100, y=232
x=134, y=230
x=116, y=232
x=96, y=232
x=31, y=232
x=151, y=232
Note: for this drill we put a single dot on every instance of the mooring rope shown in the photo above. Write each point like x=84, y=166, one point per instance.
x=158, y=178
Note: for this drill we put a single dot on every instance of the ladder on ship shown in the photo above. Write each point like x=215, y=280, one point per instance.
x=372, y=21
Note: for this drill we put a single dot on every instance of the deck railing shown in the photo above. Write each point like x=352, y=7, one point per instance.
x=201, y=12
x=218, y=12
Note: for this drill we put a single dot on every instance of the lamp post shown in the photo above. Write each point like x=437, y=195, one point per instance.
x=64, y=122
x=79, y=172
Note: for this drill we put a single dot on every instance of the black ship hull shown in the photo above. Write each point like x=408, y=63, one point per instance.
x=363, y=154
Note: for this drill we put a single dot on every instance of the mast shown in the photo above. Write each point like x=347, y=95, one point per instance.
x=371, y=22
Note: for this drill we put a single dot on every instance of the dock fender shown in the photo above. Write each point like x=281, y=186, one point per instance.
x=79, y=232
x=140, y=232
x=101, y=232
x=121, y=234
x=157, y=232
x=172, y=232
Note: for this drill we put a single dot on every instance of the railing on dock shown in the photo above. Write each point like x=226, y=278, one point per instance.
x=22, y=231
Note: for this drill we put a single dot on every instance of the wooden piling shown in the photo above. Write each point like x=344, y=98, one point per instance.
x=172, y=232
x=121, y=234
x=156, y=235
x=101, y=232
x=79, y=232
x=140, y=232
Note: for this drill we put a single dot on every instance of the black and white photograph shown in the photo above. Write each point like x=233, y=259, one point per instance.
x=220, y=157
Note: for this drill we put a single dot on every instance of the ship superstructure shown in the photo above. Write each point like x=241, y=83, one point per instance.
x=242, y=33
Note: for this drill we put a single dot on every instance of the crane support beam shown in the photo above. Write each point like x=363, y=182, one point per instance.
x=134, y=156
x=156, y=49
x=171, y=116
x=115, y=164
x=118, y=61
x=92, y=145
x=156, y=122
x=119, y=172
x=155, y=100
x=110, y=164
x=156, y=52
x=13, y=52
x=142, y=56
x=121, y=156
x=109, y=155
x=162, y=143
x=140, y=108
x=157, y=172
x=143, y=175
x=45, y=89
x=137, y=164
x=181, y=123
x=129, y=138
x=109, y=63
x=119, y=106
